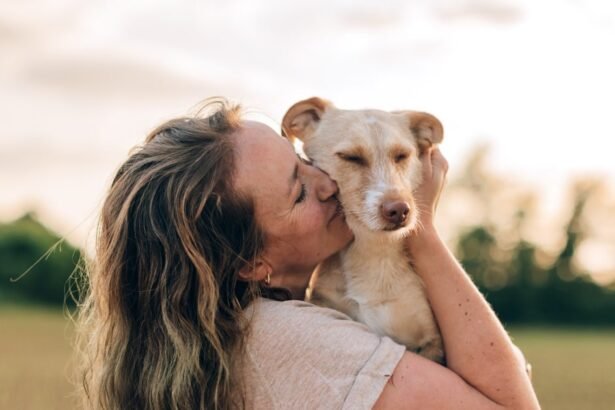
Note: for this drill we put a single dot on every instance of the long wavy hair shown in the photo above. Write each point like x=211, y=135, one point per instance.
x=161, y=322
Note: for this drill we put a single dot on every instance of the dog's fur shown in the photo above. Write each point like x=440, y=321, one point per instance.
x=374, y=158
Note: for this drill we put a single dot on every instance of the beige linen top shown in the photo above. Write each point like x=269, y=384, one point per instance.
x=301, y=356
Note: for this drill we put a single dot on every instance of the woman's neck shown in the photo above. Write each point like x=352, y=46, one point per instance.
x=296, y=282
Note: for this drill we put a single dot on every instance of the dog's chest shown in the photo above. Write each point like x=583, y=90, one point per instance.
x=375, y=274
x=376, y=285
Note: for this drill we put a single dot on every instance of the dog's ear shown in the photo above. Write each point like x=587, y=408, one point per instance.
x=302, y=119
x=426, y=128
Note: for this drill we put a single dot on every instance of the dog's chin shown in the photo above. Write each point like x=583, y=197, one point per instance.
x=399, y=232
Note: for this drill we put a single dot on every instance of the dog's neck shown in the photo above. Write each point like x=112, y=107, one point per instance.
x=375, y=261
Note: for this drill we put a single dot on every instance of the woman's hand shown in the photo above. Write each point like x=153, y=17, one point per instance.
x=428, y=193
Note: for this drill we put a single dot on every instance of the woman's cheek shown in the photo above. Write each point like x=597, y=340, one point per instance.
x=320, y=215
x=312, y=220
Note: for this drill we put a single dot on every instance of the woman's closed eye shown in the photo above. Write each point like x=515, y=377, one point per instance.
x=302, y=194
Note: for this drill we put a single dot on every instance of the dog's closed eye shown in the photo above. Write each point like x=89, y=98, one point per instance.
x=399, y=154
x=354, y=158
x=401, y=157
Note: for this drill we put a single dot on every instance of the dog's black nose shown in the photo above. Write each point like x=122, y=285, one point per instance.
x=395, y=212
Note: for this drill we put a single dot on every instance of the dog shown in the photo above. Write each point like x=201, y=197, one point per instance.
x=374, y=158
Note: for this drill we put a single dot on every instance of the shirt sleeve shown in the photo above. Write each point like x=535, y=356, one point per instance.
x=305, y=356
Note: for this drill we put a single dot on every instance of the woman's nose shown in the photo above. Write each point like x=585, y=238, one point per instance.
x=326, y=187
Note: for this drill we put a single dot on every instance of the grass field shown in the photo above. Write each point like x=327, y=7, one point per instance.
x=34, y=353
x=573, y=368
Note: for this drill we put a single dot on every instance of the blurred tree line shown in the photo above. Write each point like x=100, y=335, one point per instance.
x=521, y=290
x=24, y=280
x=490, y=215
x=523, y=282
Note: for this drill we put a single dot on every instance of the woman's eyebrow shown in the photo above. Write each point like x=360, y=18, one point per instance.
x=293, y=178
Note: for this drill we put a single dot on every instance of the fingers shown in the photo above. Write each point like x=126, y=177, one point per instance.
x=426, y=160
x=438, y=160
x=433, y=161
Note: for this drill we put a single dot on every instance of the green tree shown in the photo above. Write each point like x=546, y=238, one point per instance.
x=22, y=243
x=520, y=289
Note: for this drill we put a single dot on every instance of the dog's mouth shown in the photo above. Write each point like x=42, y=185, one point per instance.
x=376, y=224
x=407, y=226
x=394, y=228
x=362, y=222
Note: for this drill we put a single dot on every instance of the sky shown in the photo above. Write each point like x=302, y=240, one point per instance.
x=83, y=82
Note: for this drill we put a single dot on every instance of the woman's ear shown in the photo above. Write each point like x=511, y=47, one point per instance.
x=257, y=271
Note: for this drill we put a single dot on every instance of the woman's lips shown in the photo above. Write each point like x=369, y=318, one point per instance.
x=337, y=211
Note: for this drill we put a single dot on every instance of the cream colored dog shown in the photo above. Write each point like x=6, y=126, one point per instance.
x=373, y=157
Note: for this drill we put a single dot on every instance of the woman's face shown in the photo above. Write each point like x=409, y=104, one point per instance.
x=294, y=202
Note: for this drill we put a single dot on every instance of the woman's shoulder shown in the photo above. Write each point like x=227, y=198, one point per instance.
x=299, y=319
x=263, y=309
x=327, y=359
x=312, y=332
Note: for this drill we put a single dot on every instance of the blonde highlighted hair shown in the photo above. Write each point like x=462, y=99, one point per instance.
x=160, y=324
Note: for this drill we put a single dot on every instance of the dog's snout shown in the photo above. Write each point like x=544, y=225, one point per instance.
x=395, y=212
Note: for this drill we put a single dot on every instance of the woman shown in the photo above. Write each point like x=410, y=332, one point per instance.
x=207, y=240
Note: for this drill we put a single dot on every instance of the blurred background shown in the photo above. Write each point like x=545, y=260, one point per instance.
x=525, y=90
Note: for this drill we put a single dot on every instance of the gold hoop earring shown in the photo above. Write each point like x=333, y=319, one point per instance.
x=268, y=279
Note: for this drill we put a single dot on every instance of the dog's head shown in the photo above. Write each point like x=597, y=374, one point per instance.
x=372, y=155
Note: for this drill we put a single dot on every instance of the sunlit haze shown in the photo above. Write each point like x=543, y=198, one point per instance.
x=83, y=82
